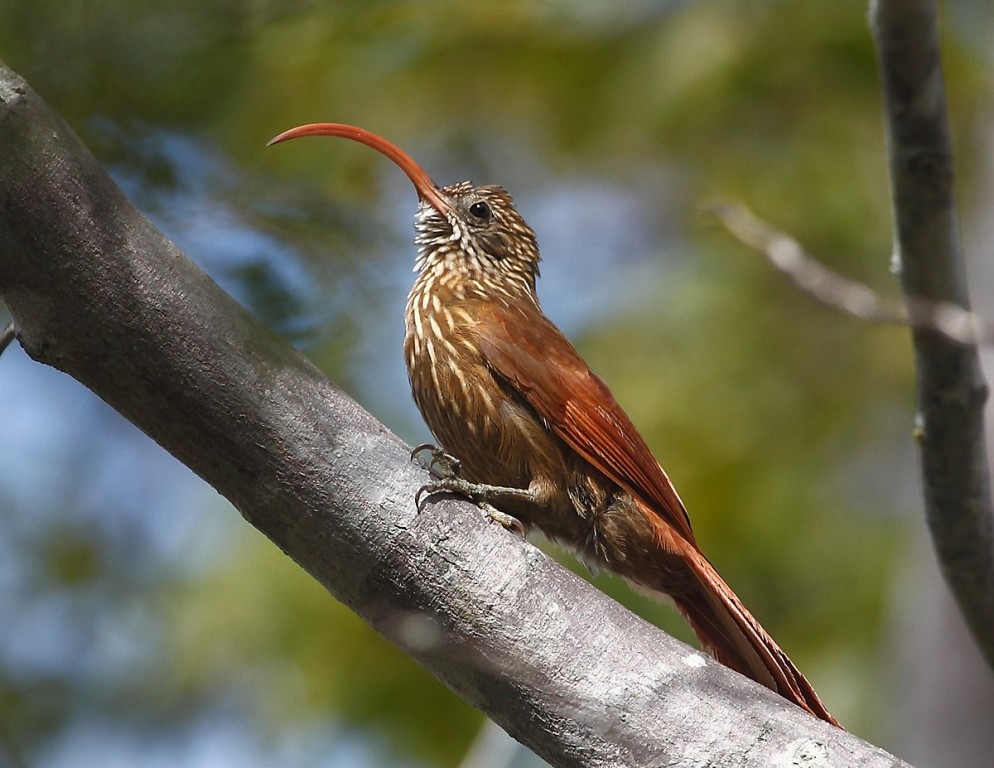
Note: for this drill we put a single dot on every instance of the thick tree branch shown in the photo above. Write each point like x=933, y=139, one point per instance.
x=97, y=292
x=951, y=387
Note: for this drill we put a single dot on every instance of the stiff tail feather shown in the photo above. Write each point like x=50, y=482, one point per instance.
x=736, y=639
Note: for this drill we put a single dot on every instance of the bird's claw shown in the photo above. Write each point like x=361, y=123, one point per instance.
x=508, y=522
x=442, y=464
x=450, y=484
x=427, y=488
x=478, y=494
x=417, y=450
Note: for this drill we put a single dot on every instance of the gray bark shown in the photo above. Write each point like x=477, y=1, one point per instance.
x=97, y=292
x=951, y=386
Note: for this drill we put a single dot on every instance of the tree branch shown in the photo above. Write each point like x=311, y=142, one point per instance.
x=843, y=293
x=99, y=293
x=951, y=386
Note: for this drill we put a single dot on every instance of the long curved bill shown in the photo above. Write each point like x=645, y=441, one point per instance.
x=427, y=189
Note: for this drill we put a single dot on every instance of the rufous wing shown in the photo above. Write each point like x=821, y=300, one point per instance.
x=524, y=349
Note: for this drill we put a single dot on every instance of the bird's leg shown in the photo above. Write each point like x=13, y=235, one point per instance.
x=446, y=467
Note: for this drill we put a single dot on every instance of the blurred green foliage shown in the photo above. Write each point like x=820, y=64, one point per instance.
x=785, y=425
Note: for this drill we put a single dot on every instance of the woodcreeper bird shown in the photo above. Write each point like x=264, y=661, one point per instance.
x=534, y=432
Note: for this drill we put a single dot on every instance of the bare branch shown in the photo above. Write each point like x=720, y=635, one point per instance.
x=97, y=292
x=951, y=386
x=843, y=293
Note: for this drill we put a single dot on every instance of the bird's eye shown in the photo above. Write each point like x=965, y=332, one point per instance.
x=480, y=210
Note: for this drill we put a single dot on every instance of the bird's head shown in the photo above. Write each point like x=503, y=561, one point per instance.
x=463, y=229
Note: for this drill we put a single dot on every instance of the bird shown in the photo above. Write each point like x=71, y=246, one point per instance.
x=529, y=432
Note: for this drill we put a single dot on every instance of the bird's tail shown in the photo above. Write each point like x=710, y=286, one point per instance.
x=733, y=636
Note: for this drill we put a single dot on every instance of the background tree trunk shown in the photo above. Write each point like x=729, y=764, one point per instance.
x=928, y=257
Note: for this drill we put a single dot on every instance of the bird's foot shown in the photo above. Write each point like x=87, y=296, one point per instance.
x=509, y=522
x=441, y=464
x=479, y=494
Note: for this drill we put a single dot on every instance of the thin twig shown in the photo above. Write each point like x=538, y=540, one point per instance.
x=843, y=293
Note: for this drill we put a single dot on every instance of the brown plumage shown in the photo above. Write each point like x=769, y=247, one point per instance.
x=536, y=432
